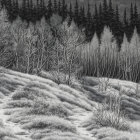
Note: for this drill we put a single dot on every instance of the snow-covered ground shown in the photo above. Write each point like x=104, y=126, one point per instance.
x=35, y=108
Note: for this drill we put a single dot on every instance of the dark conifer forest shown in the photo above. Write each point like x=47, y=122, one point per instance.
x=89, y=22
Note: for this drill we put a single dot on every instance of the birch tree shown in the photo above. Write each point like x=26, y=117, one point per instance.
x=108, y=53
x=70, y=38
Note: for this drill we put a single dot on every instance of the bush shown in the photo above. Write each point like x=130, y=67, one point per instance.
x=110, y=115
x=50, y=108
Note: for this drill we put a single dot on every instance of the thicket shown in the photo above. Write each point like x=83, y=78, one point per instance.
x=106, y=59
x=57, y=46
x=31, y=48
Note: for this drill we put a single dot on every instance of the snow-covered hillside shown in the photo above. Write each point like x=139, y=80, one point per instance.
x=35, y=108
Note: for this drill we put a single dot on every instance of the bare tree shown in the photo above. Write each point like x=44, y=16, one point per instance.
x=18, y=34
x=45, y=45
x=70, y=38
x=30, y=48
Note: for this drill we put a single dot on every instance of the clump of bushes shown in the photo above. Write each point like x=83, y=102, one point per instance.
x=50, y=108
x=109, y=114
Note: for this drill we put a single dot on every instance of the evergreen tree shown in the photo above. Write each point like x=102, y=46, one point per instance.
x=82, y=17
x=117, y=29
x=76, y=13
x=49, y=9
x=96, y=19
x=131, y=25
x=138, y=28
x=22, y=10
x=105, y=12
x=64, y=10
x=131, y=15
x=9, y=8
x=38, y=9
x=89, y=23
x=55, y=8
x=111, y=14
x=15, y=9
x=43, y=8
x=125, y=23
x=30, y=11
x=101, y=23
x=70, y=14
x=117, y=15
x=135, y=16
x=59, y=7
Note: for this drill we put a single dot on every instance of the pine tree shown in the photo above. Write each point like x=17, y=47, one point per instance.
x=118, y=30
x=42, y=8
x=23, y=10
x=131, y=15
x=76, y=13
x=135, y=16
x=16, y=9
x=59, y=7
x=125, y=21
x=70, y=14
x=138, y=28
x=82, y=18
x=64, y=10
x=105, y=12
x=89, y=23
x=55, y=8
x=9, y=7
x=49, y=9
x=30, y=11
x=96, y=19
x=101, y=23
x=117, y=15
x=38, y=9
x=111, y=14
x=131, y=25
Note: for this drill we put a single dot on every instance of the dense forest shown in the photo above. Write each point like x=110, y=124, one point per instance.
x=70, y=40
x=90, y=22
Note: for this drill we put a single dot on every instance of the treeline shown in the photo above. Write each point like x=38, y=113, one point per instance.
x=104, y=15
x=63, y=48
x=103, y=58
x=31, y=48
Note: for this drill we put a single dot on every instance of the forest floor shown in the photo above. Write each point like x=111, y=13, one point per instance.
x=35, y=108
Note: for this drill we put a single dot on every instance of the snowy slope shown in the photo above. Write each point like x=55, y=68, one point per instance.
x=22, y=108
x=35, y=108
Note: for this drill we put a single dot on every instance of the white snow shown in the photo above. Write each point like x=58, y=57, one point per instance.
x=20, y=133
x=79, y=118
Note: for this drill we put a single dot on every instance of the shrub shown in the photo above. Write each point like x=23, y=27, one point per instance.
x=110, y=115
x=50, y=108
